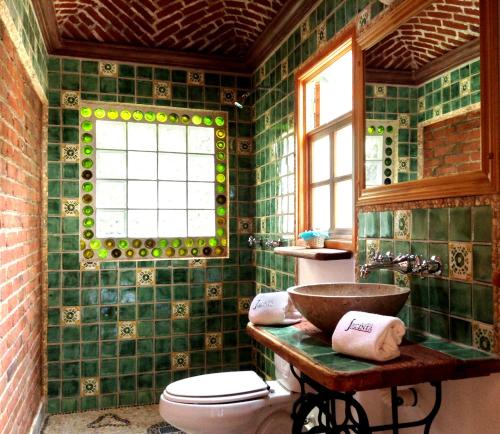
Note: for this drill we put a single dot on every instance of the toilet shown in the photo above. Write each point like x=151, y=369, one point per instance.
x=238, y=402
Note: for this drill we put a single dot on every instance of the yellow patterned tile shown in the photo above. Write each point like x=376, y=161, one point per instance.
x=180, y=361
x=127, y=329
x=180, y=309
x=213, y=341
x=70, y=315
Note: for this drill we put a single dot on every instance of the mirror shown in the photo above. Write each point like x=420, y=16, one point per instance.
x=429, y=107
x=424, y=73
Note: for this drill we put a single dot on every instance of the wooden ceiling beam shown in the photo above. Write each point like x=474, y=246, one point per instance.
x=155, y=56
x=46, y=15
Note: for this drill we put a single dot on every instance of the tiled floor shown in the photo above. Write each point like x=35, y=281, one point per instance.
x=126, y=420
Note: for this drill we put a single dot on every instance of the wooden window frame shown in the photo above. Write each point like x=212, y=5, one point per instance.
x=332, y=51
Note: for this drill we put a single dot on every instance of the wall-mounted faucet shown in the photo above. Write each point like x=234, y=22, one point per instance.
x=267, y=244
x=405, y=264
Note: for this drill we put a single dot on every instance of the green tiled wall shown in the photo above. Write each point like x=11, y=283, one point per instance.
x=133, y=338
x=24, y=18
x=274, y=139
x=457, y=305
x=453, y=90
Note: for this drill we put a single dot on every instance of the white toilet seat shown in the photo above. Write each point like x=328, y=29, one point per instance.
x=237, y=402
x=219, y=388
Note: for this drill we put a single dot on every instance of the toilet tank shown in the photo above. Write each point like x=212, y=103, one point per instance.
x=284, y=374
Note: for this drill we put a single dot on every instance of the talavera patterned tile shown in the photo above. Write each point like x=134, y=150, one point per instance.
x=228, y=96
x=70, y=99
x=196, y=78
x=244, y=146
x=89, y=265
x=145, y=277
x=244, y=304
x=402, y=224
x=213, y=291
x=460, y=257
x=127, y=329
x=108, y=69
x=372, y=248
x=162, y=89
x=70, y=315
x=197, y=262
x=180, y=361
x=483, y=337
x=180, y=310
x=71, y=207
x=321, y=34
x=70, y=153
x=380, y=91
x=245, y=225
x=272, y=279
x=89, y=386
x=213, y=341
x=402, y=280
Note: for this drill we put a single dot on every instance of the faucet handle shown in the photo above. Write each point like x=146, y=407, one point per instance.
x=434, y=265
x=386, y=258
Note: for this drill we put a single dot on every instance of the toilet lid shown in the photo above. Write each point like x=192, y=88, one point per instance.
x=217, y=388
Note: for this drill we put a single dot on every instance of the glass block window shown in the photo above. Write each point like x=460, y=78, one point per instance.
x=381, y=146
x=154, y=182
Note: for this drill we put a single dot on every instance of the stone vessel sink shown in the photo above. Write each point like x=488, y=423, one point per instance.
x=324, y=304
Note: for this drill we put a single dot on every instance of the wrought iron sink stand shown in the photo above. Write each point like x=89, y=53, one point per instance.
x=354, y=419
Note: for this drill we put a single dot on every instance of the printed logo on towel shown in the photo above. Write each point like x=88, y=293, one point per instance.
x=360, y=327
x=260, y=303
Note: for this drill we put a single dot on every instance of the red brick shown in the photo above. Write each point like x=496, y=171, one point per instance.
x=20, y=244
x=167, y=23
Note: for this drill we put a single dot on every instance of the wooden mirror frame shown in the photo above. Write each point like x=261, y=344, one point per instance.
x=484, y=181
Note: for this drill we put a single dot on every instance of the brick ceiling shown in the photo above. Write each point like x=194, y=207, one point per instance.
x=442, y=27
x=222, y=27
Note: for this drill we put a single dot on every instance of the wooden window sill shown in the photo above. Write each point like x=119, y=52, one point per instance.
x=322, y=254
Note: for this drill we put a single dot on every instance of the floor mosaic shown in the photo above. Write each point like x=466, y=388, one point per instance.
x=126, y=420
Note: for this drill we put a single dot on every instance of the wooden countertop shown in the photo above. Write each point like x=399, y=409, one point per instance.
x=431, y=359
x=321, y=254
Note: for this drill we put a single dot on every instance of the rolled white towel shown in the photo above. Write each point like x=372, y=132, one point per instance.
x=273, y=308
x=368, y=335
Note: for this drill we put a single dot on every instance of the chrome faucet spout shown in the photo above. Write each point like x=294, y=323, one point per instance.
x=407, y=263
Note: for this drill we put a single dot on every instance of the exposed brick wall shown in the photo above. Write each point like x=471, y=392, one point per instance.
x=21, y=114
x=452, y=146
x=440, y=28
x=213, y=26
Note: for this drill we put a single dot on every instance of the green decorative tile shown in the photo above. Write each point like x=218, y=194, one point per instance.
x=482, y=264
x=460, y=260
x=372, y=224
x=419, y=224
x=460, y=224
x=460, y=299
x=386, y=224
x=461, y=331
x=439, y=298
x=482, y=296
x=402, y=225
x=439, y=325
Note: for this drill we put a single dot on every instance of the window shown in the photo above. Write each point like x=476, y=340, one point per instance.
x=325, y=158
x=153, y=182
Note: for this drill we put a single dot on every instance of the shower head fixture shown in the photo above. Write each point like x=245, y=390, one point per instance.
x=241, y=102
